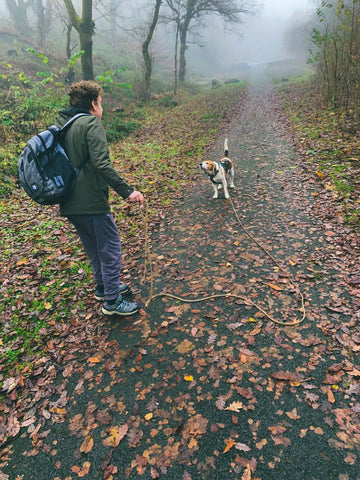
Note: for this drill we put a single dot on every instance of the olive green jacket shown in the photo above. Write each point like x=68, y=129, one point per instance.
x=85, y=141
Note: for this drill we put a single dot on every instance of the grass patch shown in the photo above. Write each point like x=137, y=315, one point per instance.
x=329, y=141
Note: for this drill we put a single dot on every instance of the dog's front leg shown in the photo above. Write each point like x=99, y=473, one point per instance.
x=231, y=178
x=216, y=193
x=226, y=193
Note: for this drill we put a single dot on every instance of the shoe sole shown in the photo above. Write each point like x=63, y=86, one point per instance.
x=110, y=313
x=102, y=299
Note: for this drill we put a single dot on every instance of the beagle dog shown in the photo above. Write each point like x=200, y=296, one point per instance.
x=220, y=172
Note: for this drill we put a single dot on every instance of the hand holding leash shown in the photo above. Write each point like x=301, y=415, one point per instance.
x=136, y=197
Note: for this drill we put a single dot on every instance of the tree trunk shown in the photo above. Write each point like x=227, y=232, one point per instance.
x=70, y=77
x=146, y=53
x=41, y=26
x=182, y=59
x=86, y=32
x=85, y=28
x=86, y=44
x=18, y=14
x=176, y=59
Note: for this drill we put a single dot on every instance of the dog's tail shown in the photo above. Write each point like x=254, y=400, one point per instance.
x=226, y=148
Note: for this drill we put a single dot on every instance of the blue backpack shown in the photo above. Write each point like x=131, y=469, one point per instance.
x=45, y=171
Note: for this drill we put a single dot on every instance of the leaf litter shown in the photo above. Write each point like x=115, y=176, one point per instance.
x=216, y=390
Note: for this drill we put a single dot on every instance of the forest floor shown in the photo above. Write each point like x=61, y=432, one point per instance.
x=217, y=389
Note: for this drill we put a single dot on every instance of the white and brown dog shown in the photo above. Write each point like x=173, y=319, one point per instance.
x=220, y=172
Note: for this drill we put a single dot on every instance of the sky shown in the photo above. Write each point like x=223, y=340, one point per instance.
x=263, y=36
x=284, y=8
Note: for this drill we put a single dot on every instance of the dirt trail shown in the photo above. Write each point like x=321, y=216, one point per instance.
x=213, y=390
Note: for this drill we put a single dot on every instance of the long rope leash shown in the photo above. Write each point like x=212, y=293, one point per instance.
x=149, y=270
x=287, y=276
x=147, y=251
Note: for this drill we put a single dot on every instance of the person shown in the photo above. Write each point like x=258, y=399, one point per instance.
x=88, y=207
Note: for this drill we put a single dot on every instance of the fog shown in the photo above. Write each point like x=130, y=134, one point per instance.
x=218, y=51
x=258, y=40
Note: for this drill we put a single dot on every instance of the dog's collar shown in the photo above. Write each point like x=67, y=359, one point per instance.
x=213, y=175
x=212, y=178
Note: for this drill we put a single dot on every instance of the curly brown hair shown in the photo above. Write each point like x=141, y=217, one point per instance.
x=83, y=93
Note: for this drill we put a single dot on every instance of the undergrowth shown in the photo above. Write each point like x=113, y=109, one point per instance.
x=330, y=142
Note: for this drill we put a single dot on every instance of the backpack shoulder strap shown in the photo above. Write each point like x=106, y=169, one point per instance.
x=72, y=119
x=63, y=129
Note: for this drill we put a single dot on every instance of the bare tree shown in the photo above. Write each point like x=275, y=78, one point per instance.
x=188, y=12
x=18, y=10
x=43, y=15
x=18, y=13
x=145, y=49
x=85, y=27
x=112, y=15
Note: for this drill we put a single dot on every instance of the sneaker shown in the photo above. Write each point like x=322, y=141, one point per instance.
x=120, y=307
x=100, y=295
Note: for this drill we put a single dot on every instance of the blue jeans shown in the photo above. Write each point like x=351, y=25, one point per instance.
x=100, y=238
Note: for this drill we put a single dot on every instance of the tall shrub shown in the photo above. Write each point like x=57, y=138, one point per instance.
x=336, y=53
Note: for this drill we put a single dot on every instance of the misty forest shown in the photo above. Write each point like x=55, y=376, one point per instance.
x=241, y=361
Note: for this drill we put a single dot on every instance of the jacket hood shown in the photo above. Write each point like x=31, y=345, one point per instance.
x=65, y=114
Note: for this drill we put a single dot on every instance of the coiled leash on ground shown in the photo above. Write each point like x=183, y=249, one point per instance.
x=149, y=270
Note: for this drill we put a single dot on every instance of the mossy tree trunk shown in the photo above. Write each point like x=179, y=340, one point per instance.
x=85, y=27
x=146, y=53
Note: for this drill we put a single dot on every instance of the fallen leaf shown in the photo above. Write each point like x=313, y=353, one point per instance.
x=261, y=444
x=247, y=473
x=81, y=471
x=351, y=459
x=277, y=429
x=94, y=360
x=9, y=384
x=330, y=396
x=230, y=443
x=193, y=444
x=242, y=447
x=13, y=426
x=243, y=358
x=293, y=414
x=116, y=435
x=185, y=346
x=195, y=426
x=23, y=261
x=220, y=402
x=154, y=473
x=285, y=375
x=235, y=406
x=87, y=444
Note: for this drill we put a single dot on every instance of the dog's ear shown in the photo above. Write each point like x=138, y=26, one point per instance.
x=212, y=167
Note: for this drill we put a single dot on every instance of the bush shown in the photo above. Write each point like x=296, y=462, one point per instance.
x=8, y=168
x=117, y=128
